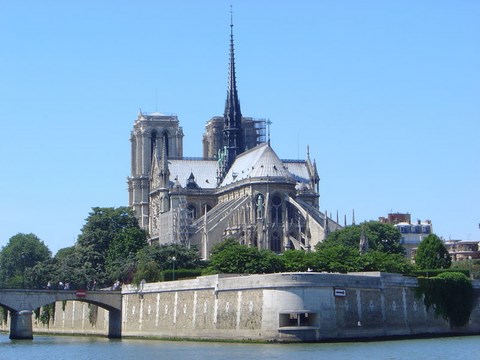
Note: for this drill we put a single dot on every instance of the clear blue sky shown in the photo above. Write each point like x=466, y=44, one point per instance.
x=386, y=93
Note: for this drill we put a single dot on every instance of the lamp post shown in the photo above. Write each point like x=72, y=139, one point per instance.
x=23, y=270
x=173, y=267
x=470, y=266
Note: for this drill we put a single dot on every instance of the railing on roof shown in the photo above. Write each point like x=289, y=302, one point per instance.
x=298, y=161
x=194, y=158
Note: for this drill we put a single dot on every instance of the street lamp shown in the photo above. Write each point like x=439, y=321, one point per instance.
x=23, y=270
x=470, y=266
x=173, y=267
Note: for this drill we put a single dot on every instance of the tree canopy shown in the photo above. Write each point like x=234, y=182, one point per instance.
x=22, y=253
x=381, y=237
x=108, y=243
x=105, y=251
x=432, y=254
x=152, y=260
x=111, y=246
x=233, y=258
x=230, y=257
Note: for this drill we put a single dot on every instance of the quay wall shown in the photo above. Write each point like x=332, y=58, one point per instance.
x=286, y=307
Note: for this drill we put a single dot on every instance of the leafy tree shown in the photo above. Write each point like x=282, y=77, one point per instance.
x=151, y=260
x=121, y=268
x=298, y=260
x=22, y=253
x=337, y=258
x=110, y=236
x=64, y=253
x=381, y=261
x=120, y=261
x=233, y=258
x=228, y=242
x=65, y=266
x=381, y=237
x=432, y=254
x=42, y=273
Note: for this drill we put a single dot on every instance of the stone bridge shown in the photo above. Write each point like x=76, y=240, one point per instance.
x=21, y=304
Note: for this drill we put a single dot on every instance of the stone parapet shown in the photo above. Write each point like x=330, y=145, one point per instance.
x=288, y=307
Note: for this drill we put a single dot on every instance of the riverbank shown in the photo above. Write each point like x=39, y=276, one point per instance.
x=286, y=307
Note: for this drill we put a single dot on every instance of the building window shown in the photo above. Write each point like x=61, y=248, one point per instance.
x=275, y=242
x=276, y=209
x=153, y=143
x=166, y=144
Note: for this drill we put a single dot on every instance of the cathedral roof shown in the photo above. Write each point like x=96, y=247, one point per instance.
x=204, y=171
x=259, y=162
x=298, y=168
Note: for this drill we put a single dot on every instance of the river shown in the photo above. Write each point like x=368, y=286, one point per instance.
x=83, y=348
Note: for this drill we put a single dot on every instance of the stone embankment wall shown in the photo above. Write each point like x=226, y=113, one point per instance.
x=272, y=307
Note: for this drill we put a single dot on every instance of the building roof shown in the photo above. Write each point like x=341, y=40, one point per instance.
x=204, y=171
x=259, y=162
x=298, y=168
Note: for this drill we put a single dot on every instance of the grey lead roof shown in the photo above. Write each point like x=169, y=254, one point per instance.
x=259, y=162
x=205, y=172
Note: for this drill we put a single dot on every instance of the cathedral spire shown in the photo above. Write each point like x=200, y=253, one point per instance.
x=233, y=139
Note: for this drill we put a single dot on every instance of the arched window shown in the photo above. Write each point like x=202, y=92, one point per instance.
x=275, y=242
x=153, y=142
x=165, y=143
x=276, y=209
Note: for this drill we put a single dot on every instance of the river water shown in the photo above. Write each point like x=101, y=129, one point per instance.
x=83, y=348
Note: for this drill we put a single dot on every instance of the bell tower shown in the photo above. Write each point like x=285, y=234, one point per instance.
x=150, y=131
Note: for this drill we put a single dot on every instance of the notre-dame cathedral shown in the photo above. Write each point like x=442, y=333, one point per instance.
x=240, y=188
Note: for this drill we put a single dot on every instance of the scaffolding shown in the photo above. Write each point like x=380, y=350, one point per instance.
x=182, y=220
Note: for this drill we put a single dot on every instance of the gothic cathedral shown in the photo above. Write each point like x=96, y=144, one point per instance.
x=239, y=189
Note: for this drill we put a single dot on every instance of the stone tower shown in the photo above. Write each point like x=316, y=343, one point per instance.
x=150, y=131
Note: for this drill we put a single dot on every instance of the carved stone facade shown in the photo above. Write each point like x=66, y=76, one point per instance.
x=150, y=131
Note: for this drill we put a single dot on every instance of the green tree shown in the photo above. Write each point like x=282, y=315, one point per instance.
x=298, y=260
x=432, y=254
x=233, y=258
x=121, y=253
x=65, y=266
x=109, y=237
x=151, y=260
x=22, y=253
x=381, y=237
x=381, y=261
x=337, y=258
x=340, y=252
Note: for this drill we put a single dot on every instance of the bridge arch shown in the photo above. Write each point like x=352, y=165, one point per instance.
x=21, y=304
